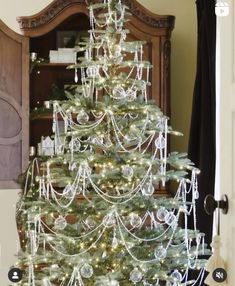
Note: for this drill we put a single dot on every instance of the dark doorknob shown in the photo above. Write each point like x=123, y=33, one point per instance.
x=210, y=204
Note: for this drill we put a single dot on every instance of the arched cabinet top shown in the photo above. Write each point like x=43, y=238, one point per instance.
x=59, y=10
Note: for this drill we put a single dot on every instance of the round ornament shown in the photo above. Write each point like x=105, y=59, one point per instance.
x=114, y=283
x=148, y=189
x=68, y=192
x=97, y=140
x=136, y=275
x=82, y=117
x=160, y=252
x=86, y=270
x=109, y=220
x=135, y=220
x=171, y=219
x=60, y=223
x=176, y=275
x=160, y=142
x=75, y=145
x=131, y=95
x=92, y=71
x=127, y=171
x=119, y=92
x=161, y=214
x=90, y=222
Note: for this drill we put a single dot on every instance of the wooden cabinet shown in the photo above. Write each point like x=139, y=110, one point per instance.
x=14, y=96
x=41, y=30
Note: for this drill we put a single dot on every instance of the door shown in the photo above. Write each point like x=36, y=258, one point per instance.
x=14, y=87
x=226, y=132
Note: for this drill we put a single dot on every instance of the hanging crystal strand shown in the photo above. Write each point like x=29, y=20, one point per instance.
x=31, y=278
x=115, y=240
x=76, y=75
x=54, y=117
x=147, y=76
x=195, y=195
x=48, y=181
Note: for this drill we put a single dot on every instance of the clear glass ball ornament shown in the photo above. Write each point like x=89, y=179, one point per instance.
x=127, y=171
x=161, y=214
x=160, y=142
x=136, y=275
x=171, y=219
x=68, y=192
x=75, y=144
x=90, y=222
x=60, y=223
x=109, y=220
x=160, y=252
x=97, y=140
x=135, y=220
x=119, y=92
x=86, y=270
x=131, y=95
x=114, y=283
x=82, y=117
x=92, y=71
x=176, y=275
x=148, y=189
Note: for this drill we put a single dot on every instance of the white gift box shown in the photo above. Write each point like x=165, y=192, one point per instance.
x=63, y=55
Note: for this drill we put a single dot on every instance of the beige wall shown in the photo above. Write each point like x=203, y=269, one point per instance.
x=183, y=64
x=183, y=74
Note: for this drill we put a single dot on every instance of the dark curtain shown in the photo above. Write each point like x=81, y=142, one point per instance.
x=202, y=133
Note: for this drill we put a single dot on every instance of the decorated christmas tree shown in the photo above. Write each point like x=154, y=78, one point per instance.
x=90, y=214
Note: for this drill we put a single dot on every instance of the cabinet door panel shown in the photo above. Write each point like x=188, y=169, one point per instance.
x=13, y=106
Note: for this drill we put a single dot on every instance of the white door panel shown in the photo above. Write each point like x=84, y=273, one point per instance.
x=225, y=181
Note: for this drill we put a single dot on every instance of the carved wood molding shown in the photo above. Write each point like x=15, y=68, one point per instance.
x=57, y=6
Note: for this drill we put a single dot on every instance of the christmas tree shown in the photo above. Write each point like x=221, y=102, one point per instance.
x=90, y=214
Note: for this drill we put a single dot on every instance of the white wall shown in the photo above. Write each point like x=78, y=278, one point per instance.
x=182, y=80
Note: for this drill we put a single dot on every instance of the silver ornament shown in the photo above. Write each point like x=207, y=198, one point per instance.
x=161, y=214
x=82, y=117
x=160, y=142
x=135, y=220
x=176, y=275
x=131, y=94
x=171, y=219
x=148, y=189
x=160, y=252
x=119, y=92
x=136, y=275
x=60, y=223
x=127, y=171
x=90, y=222
x=92, y=71
x=74, y=144
x=68, y=192
x=85, y=169
x=86, y=270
